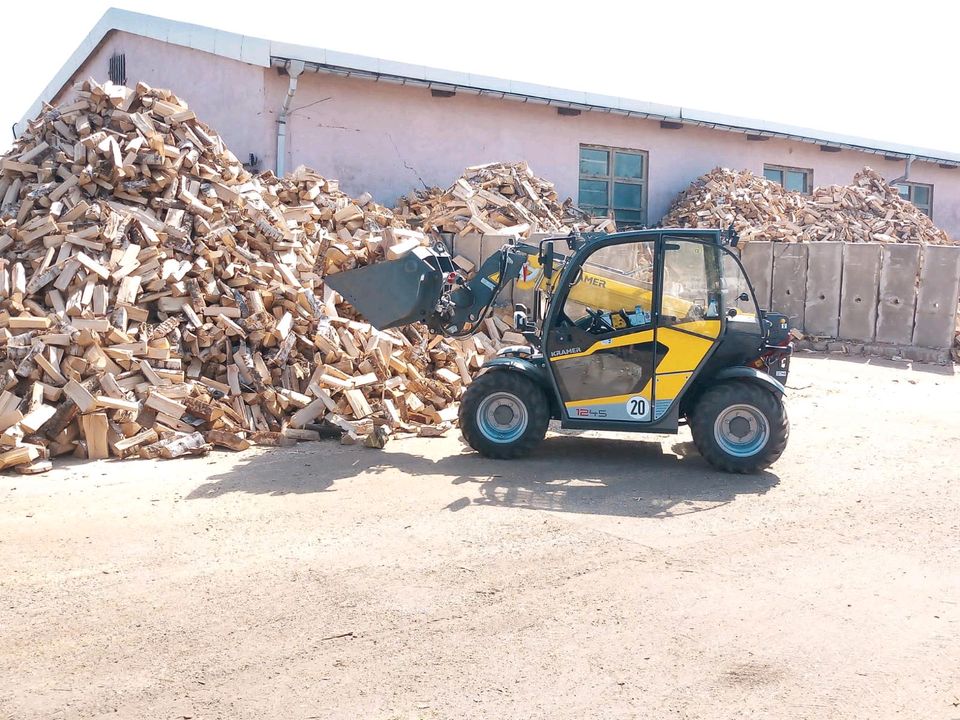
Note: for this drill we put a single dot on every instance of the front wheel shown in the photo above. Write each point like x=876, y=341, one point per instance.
x=740, y=427
x=503, y=414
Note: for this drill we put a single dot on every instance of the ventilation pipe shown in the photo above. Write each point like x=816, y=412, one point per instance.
x=906, y=172
x=295, y=68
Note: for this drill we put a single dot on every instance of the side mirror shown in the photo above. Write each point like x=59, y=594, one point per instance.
x=546, y=260
x=744, y=297
x=731, y=313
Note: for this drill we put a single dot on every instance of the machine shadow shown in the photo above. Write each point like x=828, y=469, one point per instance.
x=567, y=473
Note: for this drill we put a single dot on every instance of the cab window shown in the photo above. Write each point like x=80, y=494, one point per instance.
x=691, y=282
x=738, y=300
x=613, y=290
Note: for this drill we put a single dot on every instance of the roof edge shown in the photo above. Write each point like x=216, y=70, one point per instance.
x=264, y=53
x=252, y=50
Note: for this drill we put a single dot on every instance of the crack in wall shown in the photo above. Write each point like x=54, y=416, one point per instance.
x=405, y=163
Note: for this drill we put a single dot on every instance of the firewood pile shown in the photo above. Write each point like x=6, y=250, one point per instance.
x=497, y=199
x=868, y=210
x=157, y=300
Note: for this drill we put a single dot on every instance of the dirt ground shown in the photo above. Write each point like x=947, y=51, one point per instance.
x=614, y=577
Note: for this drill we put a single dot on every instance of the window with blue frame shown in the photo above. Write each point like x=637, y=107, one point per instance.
x=919, y=194
x=614, y=179
x=797, y=179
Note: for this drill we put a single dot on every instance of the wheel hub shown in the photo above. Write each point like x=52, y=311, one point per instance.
x=502, y=417
x=503, y=414
x=741, y=430
x=740, y=427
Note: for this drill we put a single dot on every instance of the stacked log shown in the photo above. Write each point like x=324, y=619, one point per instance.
x=497, y=199
x=156, y=299
x=868, y=210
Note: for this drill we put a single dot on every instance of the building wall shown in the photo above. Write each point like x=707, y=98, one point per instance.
x=226, y=94
x=387, y=139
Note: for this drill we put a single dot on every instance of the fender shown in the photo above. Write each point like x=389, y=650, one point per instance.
x=534, y=369
x=752, y=375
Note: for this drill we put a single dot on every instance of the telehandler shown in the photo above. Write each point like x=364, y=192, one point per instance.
x=633, y=331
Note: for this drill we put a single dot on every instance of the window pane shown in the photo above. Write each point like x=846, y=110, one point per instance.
x=691, y=283
x=796, y=180
x=628, y=217
x=594, y=162
x=626, y=165
x=733, y=285
x=921, y=195
x=627, y=197
x=904, y=191
x=774, y=175
x=629, y=268
x=593, y=193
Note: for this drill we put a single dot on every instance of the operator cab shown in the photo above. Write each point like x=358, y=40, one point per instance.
x=635, y=317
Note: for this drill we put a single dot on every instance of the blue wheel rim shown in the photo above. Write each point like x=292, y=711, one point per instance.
x=741, y=430
x=502, y=417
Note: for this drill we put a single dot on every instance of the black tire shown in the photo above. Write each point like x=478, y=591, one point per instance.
x=719, y=401
x=527, y=398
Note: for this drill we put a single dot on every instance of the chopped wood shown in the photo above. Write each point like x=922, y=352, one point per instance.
x=151, y=288
x=191, y=444
x=358, y=403
x=37, y=418
x=95, y=426
x=868, y=210
x=34, y=468
x=18, y=456
x=165, y=405
x=272, y=439
x=486, y=199
x=309, y=413
x=83, y=398
x=229, y=440
x=300, y=434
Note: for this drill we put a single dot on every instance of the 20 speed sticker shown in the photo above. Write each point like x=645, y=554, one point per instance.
x=638, y=408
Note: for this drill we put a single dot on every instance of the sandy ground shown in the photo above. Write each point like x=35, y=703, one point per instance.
x=614, y=577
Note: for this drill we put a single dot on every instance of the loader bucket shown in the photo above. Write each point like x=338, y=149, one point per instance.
x=394, y=293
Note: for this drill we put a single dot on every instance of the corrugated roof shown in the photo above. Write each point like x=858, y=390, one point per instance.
x=266, y=53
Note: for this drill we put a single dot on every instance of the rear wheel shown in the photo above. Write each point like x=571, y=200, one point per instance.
x=740, y=427
x=503, y=414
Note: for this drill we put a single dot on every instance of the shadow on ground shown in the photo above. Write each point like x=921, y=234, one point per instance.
x=566, y=473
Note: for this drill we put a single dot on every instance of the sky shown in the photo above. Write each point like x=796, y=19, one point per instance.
x=877, y=70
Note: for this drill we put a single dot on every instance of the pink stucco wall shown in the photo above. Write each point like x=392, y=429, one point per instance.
x=386, y=138
x=226, y=94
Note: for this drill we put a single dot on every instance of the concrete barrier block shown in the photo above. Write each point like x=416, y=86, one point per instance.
x=899, y=266
x=789, y=291
x=757, y=259
x=468, y=246
x=821, y=315
x=858, y=297
x=934, y=325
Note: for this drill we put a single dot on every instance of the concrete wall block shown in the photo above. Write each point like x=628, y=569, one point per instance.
x=858, y=297
x=824, y=277
x=900, y=265
x=468, y=246
x=789, y=291
x=934, y=325
x=757, y=259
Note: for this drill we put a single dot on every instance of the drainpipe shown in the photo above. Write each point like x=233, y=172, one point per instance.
x=906, y=172
x=294, y=69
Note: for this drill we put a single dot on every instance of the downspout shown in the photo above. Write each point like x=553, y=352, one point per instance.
x=906, y=172
x=293, y=69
